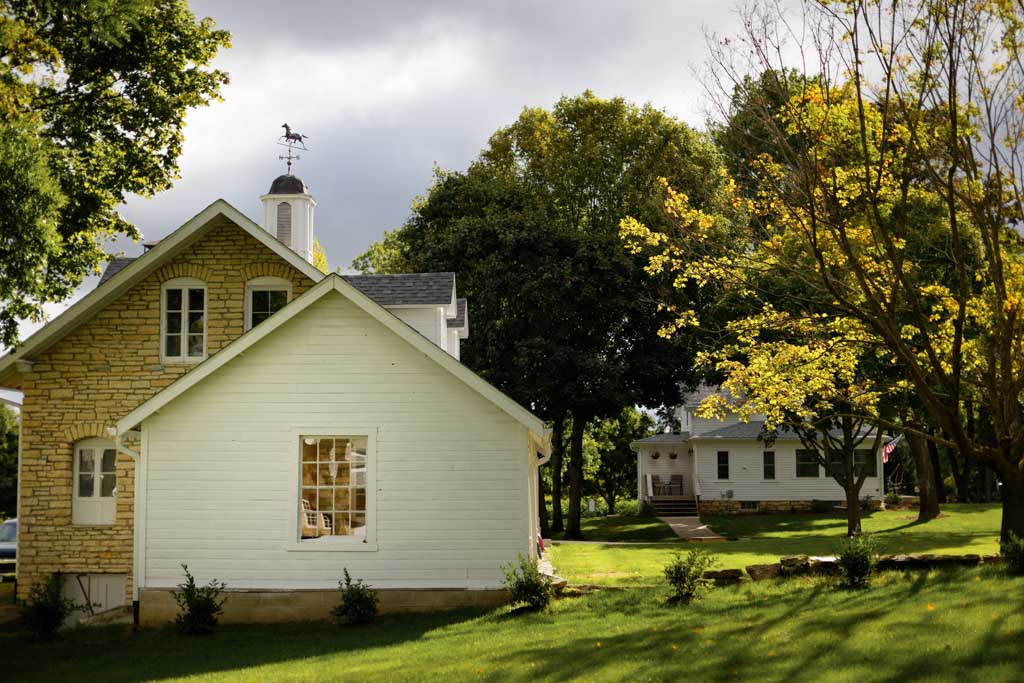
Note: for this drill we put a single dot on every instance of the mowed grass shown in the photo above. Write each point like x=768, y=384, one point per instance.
x=625, y=528
x=766, y=538
x=964, y=625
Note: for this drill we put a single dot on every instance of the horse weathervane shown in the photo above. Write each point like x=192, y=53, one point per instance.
x=291, y=141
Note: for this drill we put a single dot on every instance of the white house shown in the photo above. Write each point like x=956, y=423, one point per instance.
x=219, y=402
x=727, y=467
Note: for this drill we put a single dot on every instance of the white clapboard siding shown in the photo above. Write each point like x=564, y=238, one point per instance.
x=746, y=474
x=424, y=320
x=452, y=500
x=664, y=467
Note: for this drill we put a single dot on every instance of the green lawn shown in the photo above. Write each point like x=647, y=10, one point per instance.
x=966, y=625
x=626, y=528
x=765, y=538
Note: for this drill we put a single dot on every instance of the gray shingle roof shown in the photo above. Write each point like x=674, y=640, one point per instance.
x=661, y=439
x=755, y=428
x=460, y=314
x=406, y=289
x=741, y=430
x=115, y=266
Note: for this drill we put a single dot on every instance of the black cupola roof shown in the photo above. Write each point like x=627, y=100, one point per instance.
x=288, y=184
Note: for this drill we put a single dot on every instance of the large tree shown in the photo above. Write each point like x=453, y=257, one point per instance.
x=563, y=318
x=906, y=194
x=93, y=96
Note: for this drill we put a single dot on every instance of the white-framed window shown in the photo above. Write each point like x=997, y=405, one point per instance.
x=94, y=491
x=183, y=320
x=723, y=465
x=768, y=465
x=806, y=463
x=265, y=296
x=333, y=496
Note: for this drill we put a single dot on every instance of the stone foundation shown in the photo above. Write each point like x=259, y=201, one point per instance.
x=770, y=507
x=157, y=606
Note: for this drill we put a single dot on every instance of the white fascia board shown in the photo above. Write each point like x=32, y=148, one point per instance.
x=337, y=283
x=93, y=302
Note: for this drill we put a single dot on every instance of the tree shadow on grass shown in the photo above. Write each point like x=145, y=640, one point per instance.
x=120, y=654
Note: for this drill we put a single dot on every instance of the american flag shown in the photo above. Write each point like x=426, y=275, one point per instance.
x=890, y=447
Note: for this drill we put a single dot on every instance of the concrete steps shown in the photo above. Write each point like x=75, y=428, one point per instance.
x=675, y=508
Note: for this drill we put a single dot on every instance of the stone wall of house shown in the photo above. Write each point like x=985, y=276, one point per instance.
x=735, y=507
x=96, y=375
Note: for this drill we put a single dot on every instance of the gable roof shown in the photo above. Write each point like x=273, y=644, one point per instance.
x=335, y=283
x=406, y=289
x=133, y=272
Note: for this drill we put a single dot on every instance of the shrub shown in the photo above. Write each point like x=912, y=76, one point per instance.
x=684, y=575
x=892, y=498
x=856, y=559
x=1013, y=553
x=358, y=602
x=47, y=609
x=645, y=509
x=528, y=586
x=198, y=605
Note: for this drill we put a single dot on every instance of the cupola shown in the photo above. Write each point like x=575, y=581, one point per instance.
x=288, y=214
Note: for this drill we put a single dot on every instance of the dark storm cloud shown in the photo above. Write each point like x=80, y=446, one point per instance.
x=387, y=90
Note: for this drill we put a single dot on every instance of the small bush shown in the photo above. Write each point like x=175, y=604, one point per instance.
x=528, y=586
x=47, y=609
x=198, y=605
x=645, y=509
x=856, y=559
x=684, y=574
x=893, y=498
x=358, y=602
x=1013, y=554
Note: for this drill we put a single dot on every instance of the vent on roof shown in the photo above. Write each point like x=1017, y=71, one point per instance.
x=284, y=223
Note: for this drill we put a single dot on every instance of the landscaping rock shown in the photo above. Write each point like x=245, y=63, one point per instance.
x=724, y=576
x=795, y=564
x=824, y=566
x=762, y=572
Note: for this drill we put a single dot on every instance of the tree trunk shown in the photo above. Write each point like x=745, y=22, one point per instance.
x=1013, y=506
x=545, y=530
x=557, y=451
x=928, y=508
x=852, y=510
x=572, y=529
x=940, y=485
x=961, y=477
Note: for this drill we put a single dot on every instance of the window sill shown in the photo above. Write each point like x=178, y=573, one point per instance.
x=92, y=525
x=192, y=360
x=339, y=545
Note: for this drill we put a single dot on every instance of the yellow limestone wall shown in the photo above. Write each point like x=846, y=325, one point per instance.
x=99, y=373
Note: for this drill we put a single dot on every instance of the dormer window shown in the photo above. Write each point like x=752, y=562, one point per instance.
x=183, y=320
x=265, y=296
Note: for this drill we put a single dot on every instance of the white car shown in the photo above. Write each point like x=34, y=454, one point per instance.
x=9, y=540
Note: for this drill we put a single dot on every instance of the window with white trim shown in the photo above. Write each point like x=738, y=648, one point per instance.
x=332, y=500
x=183, y=320
x=723, y=465
x=768, y=463
x=94, y=497
x=806, y=463
x=265, y=296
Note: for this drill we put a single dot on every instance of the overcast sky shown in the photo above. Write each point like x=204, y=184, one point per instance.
x=386, y=90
